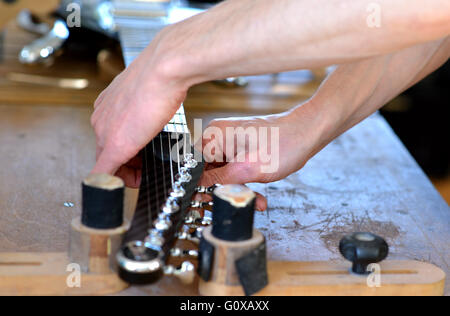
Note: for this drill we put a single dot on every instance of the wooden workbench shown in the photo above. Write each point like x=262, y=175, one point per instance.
x=364, y=181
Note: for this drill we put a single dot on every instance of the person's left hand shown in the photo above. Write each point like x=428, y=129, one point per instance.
x=259, y=149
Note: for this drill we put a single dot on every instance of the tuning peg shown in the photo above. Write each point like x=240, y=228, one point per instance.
x=202, y=205
x=194, y=236
x=183, y=176
x=185, y=273
x=202, y=221
x=206, y=221
x=193, y=215
x=162, y=223
x=170, y=207
x=154, y=238
x=189, y=161
x=183, y=253
x=177, y=190
x=207, y=190
x=363, y=249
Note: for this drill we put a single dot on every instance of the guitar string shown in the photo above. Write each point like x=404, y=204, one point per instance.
x=184, y=144
x=146, y=179
x=178, y=152
x=163, y=166
x=147, y=191
x=171, y=164
x=156, y=172
x=156, y=184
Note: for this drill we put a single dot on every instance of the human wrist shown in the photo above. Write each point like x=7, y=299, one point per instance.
x=312, y=122
x=172, y=62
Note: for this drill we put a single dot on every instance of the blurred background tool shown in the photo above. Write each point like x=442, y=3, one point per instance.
x=10, y=8
x=371, y=183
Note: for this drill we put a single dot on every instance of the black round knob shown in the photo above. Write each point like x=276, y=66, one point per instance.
x=363, y=249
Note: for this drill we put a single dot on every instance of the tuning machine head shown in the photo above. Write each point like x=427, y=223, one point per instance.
x=195, y=219
x=184, y=253
x=170, y=207
x=202, y=205
x=193, y=236
x=183, y=175
x=189, y=161
x=139, y=263
x=177, y=191
x=207, y=190
x=185, y=273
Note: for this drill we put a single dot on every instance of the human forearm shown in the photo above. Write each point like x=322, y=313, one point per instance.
x=243, y=37
x=354, y=91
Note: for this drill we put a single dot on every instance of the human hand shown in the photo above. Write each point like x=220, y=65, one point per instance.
x=259, y=149
x=132, y=111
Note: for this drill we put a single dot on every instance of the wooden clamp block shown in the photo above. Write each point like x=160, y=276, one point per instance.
x=88, y=267
x=51, y=274
x=397, y=278
x=94, y=249
x=388, y=278
x=224, y=273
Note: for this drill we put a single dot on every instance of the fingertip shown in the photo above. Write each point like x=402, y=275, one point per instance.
x=105, y=163
x=261, y=203
x=261, y=206
x=131, y=177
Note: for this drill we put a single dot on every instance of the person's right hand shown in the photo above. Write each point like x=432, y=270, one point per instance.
x=132, y=111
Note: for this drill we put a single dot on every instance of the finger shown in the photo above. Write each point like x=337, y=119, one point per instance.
x=214, y=165
x=232, y=173
x=98, y=151
x=261, y=202
x=260, y=205
x=96, y=117
x=100, y=99
x=131, y=176
x=135, y=163
x=108, y=161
